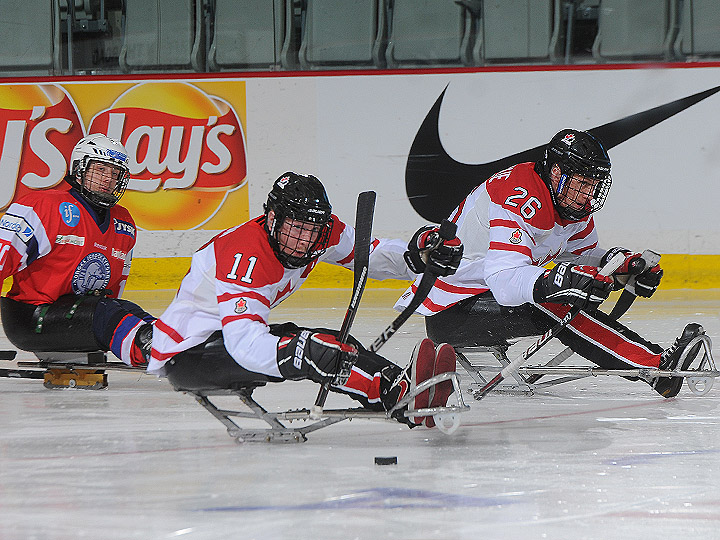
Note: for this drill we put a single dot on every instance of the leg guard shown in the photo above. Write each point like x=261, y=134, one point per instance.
x=603, y=340
x=115, y=323
x=65, y=325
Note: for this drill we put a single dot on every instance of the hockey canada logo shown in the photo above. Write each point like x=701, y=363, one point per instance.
x=516, y=236
x=569, y=139
x=241, y=305
x=92, y=274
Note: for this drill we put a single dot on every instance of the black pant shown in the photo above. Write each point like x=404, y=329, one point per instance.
x=480, y=320
x=73, y=323
x=209, y=366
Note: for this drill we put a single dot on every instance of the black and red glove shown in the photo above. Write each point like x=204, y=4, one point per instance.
x=309, y=354
x=580, y=286
x=647, y=280
x=428, y=250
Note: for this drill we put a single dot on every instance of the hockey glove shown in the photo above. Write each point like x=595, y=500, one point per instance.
x=647, y=280
x=647, y=283
x=316, y=356
x=427, y=250
x=579, y=286
x=632, y=265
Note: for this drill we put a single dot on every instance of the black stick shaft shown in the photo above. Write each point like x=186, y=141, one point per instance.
x=363, y=236
x=448, y=229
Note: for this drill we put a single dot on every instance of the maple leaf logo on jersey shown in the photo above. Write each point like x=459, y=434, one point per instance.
x=516, y=236
x=569, y=139
x=241, y=306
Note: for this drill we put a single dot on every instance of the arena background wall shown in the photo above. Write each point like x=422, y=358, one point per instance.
x=354, y=130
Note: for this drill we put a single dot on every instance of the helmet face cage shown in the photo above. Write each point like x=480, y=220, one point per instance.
x=585, y=179
x=92, y=184
x=300, y=232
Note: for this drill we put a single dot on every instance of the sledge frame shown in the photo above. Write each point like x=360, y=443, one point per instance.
x=700, y=379
x=278, y=431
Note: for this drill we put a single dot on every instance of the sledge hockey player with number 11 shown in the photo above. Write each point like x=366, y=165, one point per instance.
x=524, y=217
x=216, y=333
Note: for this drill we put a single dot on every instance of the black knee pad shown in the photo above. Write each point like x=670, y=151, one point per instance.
x=65, y=325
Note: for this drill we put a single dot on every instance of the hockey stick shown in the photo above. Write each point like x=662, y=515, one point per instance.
x=363, y=235
x=446, y=232
x=22, y=374
x=627, y=297
x=543, y=340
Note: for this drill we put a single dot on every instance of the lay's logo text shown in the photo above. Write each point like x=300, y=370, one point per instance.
x=186, y=149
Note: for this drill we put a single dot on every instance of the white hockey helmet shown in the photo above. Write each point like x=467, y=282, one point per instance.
x=98, y=147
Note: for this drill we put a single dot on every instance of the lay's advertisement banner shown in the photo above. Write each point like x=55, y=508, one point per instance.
x=185, y=141
x=204, y=151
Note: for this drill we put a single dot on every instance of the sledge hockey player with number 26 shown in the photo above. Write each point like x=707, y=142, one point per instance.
x=216, y=332
x=524, y=217
x=69, y=252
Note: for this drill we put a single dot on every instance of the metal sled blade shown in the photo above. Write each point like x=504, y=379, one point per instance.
x=700, y=376
x=278, y=432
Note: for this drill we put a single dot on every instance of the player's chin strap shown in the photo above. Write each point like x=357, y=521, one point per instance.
x=628, y=296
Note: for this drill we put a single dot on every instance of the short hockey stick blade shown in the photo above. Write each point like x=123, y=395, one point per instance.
x=363, y=236
x=8, y=355
x=543, y=340
x=22, y=374
x=447, y=231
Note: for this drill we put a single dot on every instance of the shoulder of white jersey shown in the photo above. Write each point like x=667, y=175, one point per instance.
x=243, y=255
x=337, y=229
x=519, y=190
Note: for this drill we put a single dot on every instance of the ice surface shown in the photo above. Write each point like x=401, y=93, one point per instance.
x=596, y=458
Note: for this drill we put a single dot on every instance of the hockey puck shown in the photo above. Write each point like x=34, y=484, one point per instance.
x=386, y=460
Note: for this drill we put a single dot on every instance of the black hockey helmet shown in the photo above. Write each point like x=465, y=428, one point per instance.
x=303, y=200
x=576, y=153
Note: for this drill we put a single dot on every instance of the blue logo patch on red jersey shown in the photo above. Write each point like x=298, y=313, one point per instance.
x=123, y=227
x=91, y=274
x=69, y=213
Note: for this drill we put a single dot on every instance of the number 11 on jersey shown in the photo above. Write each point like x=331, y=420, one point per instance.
x=251, y=264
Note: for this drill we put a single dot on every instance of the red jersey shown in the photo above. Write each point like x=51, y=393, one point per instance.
x=52, y=245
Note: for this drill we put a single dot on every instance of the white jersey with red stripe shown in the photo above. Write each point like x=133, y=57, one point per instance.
x=510, y=229
x=236, y=279
x=53, y=243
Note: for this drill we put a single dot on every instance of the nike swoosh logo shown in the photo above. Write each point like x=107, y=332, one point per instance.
x=435, y=183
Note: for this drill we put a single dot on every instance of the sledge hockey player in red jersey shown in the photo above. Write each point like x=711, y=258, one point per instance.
x=516, y=222
x=216, y=333
x=69, y=253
